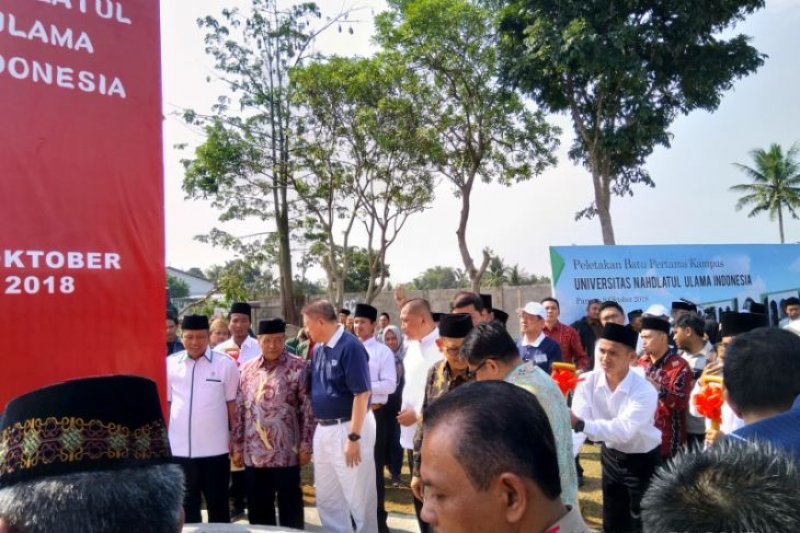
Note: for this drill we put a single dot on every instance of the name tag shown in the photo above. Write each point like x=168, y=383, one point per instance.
x=214, y=380
x=540, y=358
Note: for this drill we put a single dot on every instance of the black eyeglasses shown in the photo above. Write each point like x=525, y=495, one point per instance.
x=475, y=371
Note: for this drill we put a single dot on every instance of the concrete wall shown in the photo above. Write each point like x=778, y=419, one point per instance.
x=509, y=299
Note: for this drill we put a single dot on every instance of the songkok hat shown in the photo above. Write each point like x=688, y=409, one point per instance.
x=757, y=308
x=344, y=311
x=533, y=308
x=633, y=314
x=366, y=311
x=273, y=325
x=500, y=316
x=455, y=326
x=83, y=425
x=680, y=305
x=242, y=308
x=734, y=323
x=658, y=324
x=436, y=316
x=657, y=310
x=487, y=301
x=195, y=322
x=622, y=334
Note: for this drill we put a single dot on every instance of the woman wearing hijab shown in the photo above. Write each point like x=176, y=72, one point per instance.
x=393, y=338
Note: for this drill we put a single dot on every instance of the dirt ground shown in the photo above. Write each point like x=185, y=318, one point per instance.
x=398, y=500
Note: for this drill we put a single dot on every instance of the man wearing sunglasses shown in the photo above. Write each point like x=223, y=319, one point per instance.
x=492, y=354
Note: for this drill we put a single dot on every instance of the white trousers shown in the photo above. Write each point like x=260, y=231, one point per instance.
x=342, y=491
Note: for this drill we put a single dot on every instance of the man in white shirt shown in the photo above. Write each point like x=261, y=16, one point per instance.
x=617, y=406
x=241, y=347
x=383, y=381
x=417, y=324
x=689, y=333
x=201, y=391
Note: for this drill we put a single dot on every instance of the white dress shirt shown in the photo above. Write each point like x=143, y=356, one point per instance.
x=697, y=362
x=198, y=392
x=247, y=351
x=624, y=419
x=382, y=371
x=420, y=356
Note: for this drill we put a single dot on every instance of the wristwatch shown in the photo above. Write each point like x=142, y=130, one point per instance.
x=354, y=437
x=579, y=425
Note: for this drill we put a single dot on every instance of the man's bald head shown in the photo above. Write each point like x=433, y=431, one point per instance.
x=416, y=320
x=418, y=306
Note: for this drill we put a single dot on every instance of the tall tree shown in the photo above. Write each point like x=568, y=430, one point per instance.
x=176, y=288
x=775, y=183
x=439, y=277
x=366, y=153
x=247, y=160
x=484, y=131
x=359, y=275
x=623, y=71
x=517, y=276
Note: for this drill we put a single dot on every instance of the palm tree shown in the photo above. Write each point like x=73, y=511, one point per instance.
x=517, y=276
x=496, y=274
x=776, y=183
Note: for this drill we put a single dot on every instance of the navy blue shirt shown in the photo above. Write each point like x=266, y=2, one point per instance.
x=544, y=355
x=782, y=430
x=174, y=347
x=338, y=373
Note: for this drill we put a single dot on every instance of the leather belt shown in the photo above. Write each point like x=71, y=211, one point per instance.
x=332, y=421
x=376, y=406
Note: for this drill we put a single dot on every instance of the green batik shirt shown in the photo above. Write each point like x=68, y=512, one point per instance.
x=441, y=379
x=533, y=379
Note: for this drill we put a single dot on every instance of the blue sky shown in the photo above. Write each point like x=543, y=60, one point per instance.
x=690, y=204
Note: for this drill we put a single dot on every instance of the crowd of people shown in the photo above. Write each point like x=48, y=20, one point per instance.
x=492, y=440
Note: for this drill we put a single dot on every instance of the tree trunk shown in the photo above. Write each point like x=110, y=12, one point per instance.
x=604, y=213
x=780, y=222
x=285, y=267
x=475, y=274
x=602, y=200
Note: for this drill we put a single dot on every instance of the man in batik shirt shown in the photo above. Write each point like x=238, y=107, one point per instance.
x=671, y=375
x=274, y=428
x=443, y=376
x=492, y=354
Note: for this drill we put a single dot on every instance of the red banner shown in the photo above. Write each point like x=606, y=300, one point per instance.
x=81, y=223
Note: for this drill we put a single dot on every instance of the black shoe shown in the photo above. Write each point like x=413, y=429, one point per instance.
x=236, y=514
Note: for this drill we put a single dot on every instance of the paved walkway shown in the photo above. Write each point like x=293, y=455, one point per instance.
x=397, y=523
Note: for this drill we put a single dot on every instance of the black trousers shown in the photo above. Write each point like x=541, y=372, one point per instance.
x=207, y=476
x=626, y=477
x=263, y=485
x=238, y=490
x=394, y=450
x=381, y=454
x=423, y=526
